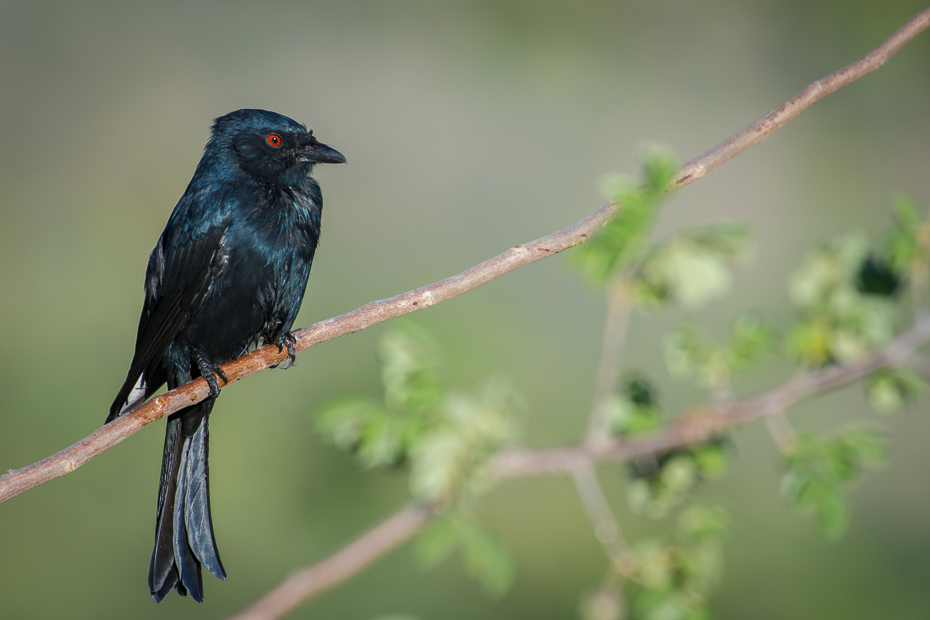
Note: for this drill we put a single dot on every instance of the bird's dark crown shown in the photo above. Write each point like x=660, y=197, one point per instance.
x=268, y=147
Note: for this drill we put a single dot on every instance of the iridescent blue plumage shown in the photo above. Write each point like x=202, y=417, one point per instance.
x=228, y=272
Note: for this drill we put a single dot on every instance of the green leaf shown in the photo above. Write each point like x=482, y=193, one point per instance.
x=633, y=411
x=659, y=165
x=909, y=216
x=654, y=565
x=750, y=340
x=902, y=242
x=689, y=355
x=616, y=186
x=488, y=560
x=411, y=368
x=818, y=470
x=699, y=522
x=449, y=459
x=438, y=542
x=868, y=445
x=342, y=420
x=712, y=459
x=692, y=267
x=890, y=388
x=381, y=442
x=680, y=474
x=624, y=238
x=678, y=574
x=838, y=323
x=696, y=277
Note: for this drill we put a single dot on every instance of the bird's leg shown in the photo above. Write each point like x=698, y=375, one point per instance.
x=288, y=340
x=210, y=371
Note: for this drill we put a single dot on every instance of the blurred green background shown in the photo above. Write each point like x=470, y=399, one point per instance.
x=469, y=127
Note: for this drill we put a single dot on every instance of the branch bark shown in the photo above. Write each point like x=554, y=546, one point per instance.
x=340, y=566
x=17, y=481
x=705, y=423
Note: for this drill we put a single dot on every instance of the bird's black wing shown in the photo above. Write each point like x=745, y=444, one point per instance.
x=186, y=260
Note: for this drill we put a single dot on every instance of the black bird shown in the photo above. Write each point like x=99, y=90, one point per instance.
x=229, y=271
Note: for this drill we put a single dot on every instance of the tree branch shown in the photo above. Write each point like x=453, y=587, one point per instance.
x=704, y=423
x=619, y=309
x=338, y=567
x=603, y=520
x=14, y=482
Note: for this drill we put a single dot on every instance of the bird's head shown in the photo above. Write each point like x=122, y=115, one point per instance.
x=269, y=147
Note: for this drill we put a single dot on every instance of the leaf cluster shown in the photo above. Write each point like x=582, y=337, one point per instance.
x=384, y=433
x=658, y=484
x=689, y=355
x=633, y=409
x=841, y=320
x=890, y=388
x=908, y=241
x=820, y=469
x=487, y=559
x=688, y=269
x=692, y=267
x=445, y=436
x=624, y=237
x=677, y=575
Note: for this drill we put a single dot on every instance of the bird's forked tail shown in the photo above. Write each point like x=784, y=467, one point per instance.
x=184, y=530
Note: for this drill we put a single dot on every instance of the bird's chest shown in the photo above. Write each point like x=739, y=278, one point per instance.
x=276, y=235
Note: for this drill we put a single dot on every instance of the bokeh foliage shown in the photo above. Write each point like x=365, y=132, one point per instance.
x=847, y=296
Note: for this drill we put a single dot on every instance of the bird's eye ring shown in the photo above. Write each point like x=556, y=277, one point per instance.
x=273, y=140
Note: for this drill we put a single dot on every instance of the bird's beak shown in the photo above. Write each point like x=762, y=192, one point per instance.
x=319, y=153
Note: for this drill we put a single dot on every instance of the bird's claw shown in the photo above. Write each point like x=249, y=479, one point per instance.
x=287, y=339
x=210, y=372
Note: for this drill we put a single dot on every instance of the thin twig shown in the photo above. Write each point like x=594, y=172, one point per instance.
x=606, y=527
x=919, y=363
x=920, y=271
x=619, y=308
x=763, y=128
x=783, y=434
x=342, y=565
x=14, y=482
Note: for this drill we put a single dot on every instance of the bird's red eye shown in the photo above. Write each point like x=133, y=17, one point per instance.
x=274, y=140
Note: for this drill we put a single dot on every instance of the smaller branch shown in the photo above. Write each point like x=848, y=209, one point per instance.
x=919, y=363
x=920, y=271
x=606, y=527
x=308, y=582
x=791, y=109
x=619, y=308
x=783, y=434
x=707, y=422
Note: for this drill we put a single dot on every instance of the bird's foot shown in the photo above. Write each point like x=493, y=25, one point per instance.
x=287, y=339
x=210, y=372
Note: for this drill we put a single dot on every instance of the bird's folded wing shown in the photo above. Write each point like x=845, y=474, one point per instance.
x=182, y=269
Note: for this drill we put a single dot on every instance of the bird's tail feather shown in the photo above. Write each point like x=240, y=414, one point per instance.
x=184, y=530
